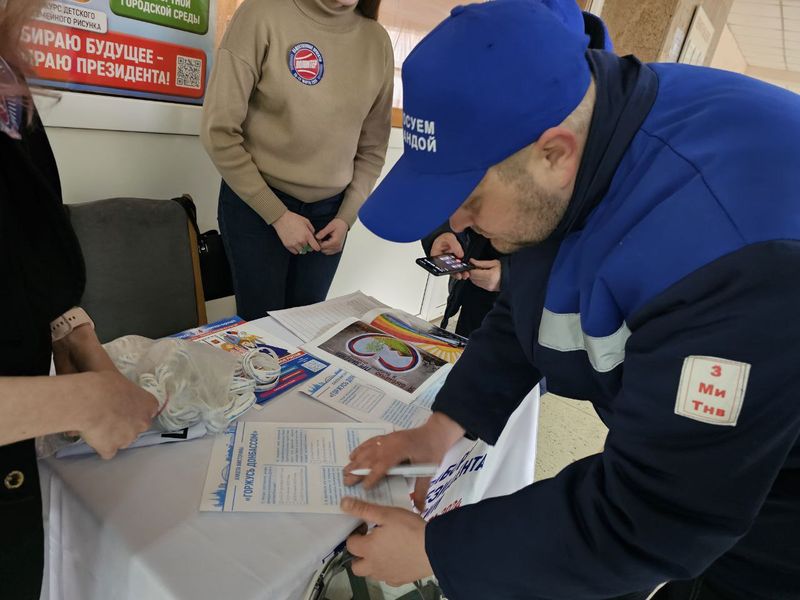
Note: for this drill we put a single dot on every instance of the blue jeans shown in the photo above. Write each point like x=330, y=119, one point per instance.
x=266, y=276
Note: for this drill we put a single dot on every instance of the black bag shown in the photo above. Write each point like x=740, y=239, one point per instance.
x=214, y=267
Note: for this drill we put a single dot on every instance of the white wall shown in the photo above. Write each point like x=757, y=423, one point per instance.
x=384, y=269
x=96, y=164
x=727, y=56
x=101, y=163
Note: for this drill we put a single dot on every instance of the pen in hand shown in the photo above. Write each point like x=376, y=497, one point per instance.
x=421, y=470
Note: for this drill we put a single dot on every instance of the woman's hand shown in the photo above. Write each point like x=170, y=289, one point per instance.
x=296, y=233
x=331, y=237
x=114, y=412
x=81, y=352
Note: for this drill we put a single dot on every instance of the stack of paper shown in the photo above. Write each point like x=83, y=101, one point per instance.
x=309, y=322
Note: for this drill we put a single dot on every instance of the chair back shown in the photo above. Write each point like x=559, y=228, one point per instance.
x=142, y=268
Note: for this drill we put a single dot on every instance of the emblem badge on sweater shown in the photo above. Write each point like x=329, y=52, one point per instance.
x=306, y=63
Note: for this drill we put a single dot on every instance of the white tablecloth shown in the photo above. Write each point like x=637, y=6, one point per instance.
x=130, y=529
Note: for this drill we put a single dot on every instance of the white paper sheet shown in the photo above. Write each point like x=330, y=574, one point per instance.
x=309, y=322
x=352, y=396
x=148, y=438
x=291, y=468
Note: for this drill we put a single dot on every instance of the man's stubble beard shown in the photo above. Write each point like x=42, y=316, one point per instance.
x=538, y=216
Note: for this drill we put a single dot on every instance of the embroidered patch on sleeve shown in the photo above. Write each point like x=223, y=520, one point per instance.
x=712, y=389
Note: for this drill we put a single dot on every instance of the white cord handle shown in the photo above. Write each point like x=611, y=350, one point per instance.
x=264, y=367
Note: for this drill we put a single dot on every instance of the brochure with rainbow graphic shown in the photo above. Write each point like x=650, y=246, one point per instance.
x=392, y=355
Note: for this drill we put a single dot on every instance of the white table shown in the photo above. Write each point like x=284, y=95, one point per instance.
x=130, y=529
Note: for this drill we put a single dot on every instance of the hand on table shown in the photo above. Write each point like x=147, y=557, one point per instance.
x=487, y=274
x=394, y=551
x=114, y=413
x=113, y=410
x=296, y=233
x=426, y=444
x=447, y=243
x=331, y=237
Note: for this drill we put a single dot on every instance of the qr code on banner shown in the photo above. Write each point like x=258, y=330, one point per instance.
x=190, y=72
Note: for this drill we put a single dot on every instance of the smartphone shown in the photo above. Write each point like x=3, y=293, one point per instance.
x=444, y=264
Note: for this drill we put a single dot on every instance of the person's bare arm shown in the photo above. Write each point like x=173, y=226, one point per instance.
x=106, y=409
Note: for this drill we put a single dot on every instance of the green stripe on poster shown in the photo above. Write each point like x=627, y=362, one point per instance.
x=186, y=15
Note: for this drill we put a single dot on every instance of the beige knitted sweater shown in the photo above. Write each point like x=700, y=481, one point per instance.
x=300, y=99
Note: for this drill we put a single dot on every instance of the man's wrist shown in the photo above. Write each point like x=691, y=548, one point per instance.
x=445, y=428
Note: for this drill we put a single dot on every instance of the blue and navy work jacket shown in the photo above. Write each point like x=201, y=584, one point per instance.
x=669, y=297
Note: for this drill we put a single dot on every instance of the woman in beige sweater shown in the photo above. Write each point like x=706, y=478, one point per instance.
x=297, y=120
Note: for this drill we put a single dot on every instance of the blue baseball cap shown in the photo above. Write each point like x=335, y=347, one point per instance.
x=485, y=83
x=568, y=12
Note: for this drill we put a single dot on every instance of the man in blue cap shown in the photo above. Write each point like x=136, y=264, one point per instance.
x=654, y=214
x=473, y=293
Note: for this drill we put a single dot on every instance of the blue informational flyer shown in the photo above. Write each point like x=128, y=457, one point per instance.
x=235, y=335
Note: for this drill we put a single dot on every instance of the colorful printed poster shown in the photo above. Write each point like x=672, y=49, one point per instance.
x=400, y=369
x=198, y=332
x=186, y=15
x=154, y=49
x=425, y=336
x=385, y=357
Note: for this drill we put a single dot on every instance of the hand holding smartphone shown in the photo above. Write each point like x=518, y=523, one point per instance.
x=444, y=264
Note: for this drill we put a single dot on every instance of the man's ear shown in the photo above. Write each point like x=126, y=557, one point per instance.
x=559, y=156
